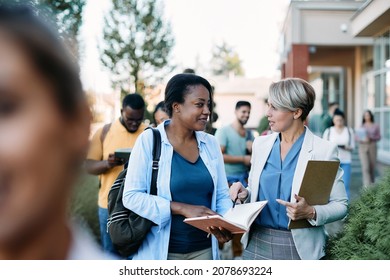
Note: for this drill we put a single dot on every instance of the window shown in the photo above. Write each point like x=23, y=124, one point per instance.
x=376, y=89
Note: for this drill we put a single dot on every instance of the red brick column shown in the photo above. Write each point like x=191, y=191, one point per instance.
x=297, y=62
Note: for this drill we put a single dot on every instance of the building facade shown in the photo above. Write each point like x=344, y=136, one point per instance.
x=343, y=49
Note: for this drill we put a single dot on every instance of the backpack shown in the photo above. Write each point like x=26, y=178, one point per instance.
x=127, y=229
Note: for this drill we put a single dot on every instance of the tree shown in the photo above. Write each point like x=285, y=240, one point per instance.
x=137, y=43
x=65, y=15
x=69, y=18
x=225, y=61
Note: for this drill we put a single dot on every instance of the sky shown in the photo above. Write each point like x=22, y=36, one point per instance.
x=251, y=27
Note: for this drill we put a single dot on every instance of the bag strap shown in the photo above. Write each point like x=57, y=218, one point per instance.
x=156, y=159
x=105, y=130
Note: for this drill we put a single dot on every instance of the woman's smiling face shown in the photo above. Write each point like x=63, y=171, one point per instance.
x=195, y=110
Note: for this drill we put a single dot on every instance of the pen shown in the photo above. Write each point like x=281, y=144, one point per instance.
x=234, y=202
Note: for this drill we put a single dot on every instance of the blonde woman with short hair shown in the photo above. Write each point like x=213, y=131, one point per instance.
x=278, y=163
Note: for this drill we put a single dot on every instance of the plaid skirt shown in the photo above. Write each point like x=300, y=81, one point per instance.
x=270, y=244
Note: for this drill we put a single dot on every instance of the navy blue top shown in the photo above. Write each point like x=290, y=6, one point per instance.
x=276, y=182
x=191, y=183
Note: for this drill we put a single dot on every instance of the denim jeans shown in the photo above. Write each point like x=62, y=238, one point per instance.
x=104, y=235
x=346, y=167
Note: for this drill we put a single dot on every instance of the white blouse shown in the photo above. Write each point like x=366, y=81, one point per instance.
x=344, y=138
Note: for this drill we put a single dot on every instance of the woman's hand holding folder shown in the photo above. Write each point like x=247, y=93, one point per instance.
x=299, y=210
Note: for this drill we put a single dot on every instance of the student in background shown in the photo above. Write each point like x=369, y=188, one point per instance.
x=368, y=147
x=344, y=137
x=122, y=133
x=327, y=116
x=236, y=144
x=159, y=114
x=263, y=127
x=278, y=163
x=213, y=119
x=44, y=124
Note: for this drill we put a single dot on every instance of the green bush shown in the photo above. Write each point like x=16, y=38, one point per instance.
x=366, y=233
x=84, y=207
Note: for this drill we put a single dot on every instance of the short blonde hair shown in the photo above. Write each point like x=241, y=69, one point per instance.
x=291, y=94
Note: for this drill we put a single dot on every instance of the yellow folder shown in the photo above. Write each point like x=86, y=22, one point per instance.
x=316, y=186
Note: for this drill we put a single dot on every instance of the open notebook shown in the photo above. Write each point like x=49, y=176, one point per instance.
x=236, y=220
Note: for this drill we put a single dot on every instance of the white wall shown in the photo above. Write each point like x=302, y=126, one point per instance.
x=226, y=105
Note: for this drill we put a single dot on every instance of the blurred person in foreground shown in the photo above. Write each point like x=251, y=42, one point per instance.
x=44, y=128
x=191, y=178
x=101, y=160
x=278, y=163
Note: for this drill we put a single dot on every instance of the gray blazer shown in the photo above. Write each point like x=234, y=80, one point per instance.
x=310, y=242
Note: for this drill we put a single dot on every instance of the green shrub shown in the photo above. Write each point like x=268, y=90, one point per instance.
x=84, y=207
x=366, y=232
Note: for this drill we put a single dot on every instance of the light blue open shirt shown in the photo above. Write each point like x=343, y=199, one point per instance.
x=157, y=208
x=276, y=182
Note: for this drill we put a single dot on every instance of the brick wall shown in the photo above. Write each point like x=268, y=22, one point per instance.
x=297, y=62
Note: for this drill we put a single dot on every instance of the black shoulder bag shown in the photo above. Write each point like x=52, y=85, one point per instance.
x=127, y=229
